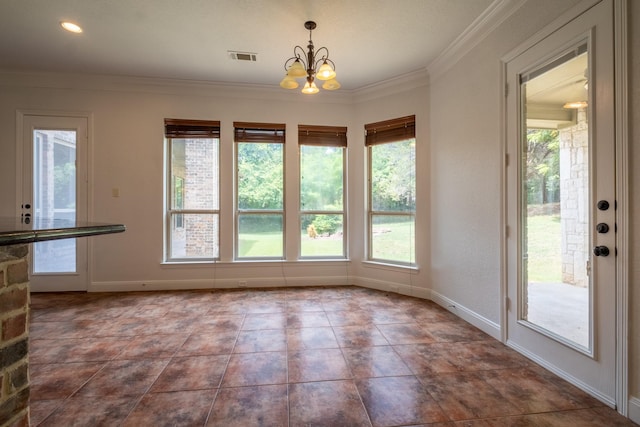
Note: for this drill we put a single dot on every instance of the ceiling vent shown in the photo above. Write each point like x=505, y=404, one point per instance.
x=243, y=56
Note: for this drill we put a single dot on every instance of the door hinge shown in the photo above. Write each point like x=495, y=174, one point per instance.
x=507, y=231
x=507, y=303
x=506, y=90
x=506, y=159
x=588, y=267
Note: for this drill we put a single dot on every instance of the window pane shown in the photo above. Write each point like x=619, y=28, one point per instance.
x=260, y=176
x=194, y=235
x=393, y=238
x=556, y=231
x=321, y=235
x=194, y=174
x=321, y=178
x=393, y=176
x=260, y=236
x=54, y=196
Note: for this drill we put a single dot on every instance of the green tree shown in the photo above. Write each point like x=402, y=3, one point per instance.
x=393, y=176
x=260, y=176
x=64, y=179
x=321, y=172
x=543, y=165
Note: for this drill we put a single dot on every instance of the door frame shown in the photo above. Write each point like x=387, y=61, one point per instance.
x=20, y=166
x=621, y=126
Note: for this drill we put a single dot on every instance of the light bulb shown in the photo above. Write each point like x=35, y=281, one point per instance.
x=331, y=85
x=289, y=82
x=71, y=27
x=325, y=72
x=310, y=88
x=297, y=70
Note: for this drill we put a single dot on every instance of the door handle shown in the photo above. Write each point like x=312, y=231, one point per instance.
x=601, y=251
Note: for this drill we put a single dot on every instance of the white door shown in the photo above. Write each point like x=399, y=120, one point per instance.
x=561, y=271
x=54, y=186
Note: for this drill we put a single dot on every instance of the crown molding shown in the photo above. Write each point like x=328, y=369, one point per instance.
x=129, y=84
x=480, y=28
x=115, y=83
x=402, y=83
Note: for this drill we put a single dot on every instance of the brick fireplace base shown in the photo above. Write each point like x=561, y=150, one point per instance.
x=14, y=336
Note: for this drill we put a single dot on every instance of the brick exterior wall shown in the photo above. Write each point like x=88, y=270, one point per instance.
x=199, y=234
x=14, y=336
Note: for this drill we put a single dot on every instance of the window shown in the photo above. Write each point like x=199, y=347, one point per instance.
x=391, y=190
x=193, y=211
x=260, y=190
x=322, y=169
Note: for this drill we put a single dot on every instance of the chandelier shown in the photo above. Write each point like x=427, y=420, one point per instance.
x=311, y=65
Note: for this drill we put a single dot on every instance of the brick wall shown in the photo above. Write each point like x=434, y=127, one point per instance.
x=200, y=192
x=14, y=336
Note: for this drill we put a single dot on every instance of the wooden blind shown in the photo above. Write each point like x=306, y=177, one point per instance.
x=334, y=136
x=390, y=130
x=259, y=132
x=179, y=128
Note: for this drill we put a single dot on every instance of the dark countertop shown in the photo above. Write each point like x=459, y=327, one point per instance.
x=15, y=231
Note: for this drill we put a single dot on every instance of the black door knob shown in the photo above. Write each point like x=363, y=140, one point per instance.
x=601, y=251
x=603, y=205
x=602, y=227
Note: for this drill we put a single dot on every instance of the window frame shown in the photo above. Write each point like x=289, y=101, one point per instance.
x=388, y=132
x=258, y=133
x=323, y=136
x=180, y=129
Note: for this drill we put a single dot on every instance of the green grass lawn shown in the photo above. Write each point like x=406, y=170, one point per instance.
x=391, y=241
x=394, y=241
x=544, y=262
x=267, y=244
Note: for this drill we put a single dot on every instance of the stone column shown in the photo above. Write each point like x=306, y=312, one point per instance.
x=14, y=336
x=574, y=206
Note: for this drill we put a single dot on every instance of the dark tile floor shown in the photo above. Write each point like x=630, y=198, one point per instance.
x=339, y=356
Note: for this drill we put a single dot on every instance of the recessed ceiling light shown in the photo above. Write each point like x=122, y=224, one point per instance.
x=71, y=27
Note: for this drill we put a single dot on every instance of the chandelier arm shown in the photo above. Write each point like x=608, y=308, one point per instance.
x=323, y=58
x=300, y=56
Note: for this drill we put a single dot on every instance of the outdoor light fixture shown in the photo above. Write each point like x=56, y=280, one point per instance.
x=311, y=65
x=575, y=104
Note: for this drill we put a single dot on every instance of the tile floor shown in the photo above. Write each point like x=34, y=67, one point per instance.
x=338, y=356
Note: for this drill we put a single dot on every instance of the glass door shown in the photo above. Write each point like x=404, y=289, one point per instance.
x=561, y=271
x=54, y=188
x=555, y=235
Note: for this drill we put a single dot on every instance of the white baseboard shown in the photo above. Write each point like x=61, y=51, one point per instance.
x=236, y=282
x=480, y=322
x=564, y=375
x=634, y=409
x=398, y=288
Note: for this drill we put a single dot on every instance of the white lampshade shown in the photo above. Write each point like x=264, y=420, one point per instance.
x=297, y=70
x=310, y=88
x=289, y=82
x=325, y=72
x=331, y=85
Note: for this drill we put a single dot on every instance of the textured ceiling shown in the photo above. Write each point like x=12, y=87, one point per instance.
x=369, y=40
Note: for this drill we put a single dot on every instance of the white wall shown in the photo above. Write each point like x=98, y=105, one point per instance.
x=466, y=135
x=127, y=154
x=413, y=282
x=459, y=127
x=466, y=161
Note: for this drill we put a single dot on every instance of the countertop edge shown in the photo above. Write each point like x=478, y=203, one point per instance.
x=30, y=236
